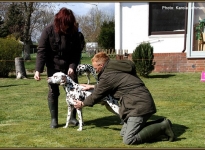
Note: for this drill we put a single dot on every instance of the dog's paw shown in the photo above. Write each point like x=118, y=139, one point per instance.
x=65, y=126
x=79, y=129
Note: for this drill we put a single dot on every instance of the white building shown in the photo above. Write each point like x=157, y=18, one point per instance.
x=168, y=26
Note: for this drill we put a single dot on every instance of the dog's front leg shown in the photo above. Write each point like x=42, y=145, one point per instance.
x=80, y=119
x=68, y=115
x=88, y=77
x=94, y=75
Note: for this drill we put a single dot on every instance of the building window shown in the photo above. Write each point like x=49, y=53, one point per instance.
x=167, y=18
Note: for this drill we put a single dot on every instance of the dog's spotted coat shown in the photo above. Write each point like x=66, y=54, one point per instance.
x=87, y=69
x=74, y=92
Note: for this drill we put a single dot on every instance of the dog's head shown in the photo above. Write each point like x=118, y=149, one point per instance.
x=80, y=69
x=57, y=78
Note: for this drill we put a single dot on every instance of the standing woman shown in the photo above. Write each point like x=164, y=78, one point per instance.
x=59, y=50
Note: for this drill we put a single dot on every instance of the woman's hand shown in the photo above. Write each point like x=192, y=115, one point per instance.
x=71, y=73
x=87, y=87
x=37, y=76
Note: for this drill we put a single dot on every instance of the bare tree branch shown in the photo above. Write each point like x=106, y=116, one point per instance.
x=90, y=23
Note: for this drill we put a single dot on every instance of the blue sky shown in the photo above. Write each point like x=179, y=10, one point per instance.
x=81, y=8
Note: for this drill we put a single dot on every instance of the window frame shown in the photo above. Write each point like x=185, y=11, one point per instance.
x=190, y=32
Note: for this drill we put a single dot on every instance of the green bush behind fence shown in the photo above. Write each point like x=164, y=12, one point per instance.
x=9, y=49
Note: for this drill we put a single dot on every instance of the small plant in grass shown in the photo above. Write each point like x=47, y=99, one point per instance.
x=143, y=57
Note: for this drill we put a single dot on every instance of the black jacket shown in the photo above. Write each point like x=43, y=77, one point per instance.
x=82, y=40
x=58, y=51
x=118, y=78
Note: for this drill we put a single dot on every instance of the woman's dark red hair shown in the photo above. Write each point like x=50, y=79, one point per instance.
x=63, y=19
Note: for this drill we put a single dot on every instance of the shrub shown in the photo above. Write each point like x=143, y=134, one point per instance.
x=9, y=49
x=143, y=58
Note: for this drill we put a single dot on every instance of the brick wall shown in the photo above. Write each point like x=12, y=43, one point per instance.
x=174, y=62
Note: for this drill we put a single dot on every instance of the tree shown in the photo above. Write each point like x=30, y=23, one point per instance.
x=106, y=37
x=24, y=18
x=29, y=9
x=42, y=16
x=90, y=23
x=1, y=20
x=14, y=21
x=17, y=22
x=3, y=30
x=3, y=8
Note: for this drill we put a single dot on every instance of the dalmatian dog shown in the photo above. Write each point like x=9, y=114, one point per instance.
x=74, y=92
x=87, y=69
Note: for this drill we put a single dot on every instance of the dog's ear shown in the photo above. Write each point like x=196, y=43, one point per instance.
x=63, y=80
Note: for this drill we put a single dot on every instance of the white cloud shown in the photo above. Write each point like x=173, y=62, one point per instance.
x=82, y=8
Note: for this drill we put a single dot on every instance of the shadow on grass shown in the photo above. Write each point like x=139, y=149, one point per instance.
x=177, y=128
x=103, y=122
x=29, y=76
x=161, y=76
x=10, y=85
x=107, y=121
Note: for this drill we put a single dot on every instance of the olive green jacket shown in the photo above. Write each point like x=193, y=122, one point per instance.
x=118, y=78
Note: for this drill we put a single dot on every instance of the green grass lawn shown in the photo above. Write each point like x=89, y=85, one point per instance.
x=30, y=64
x=25, y=118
